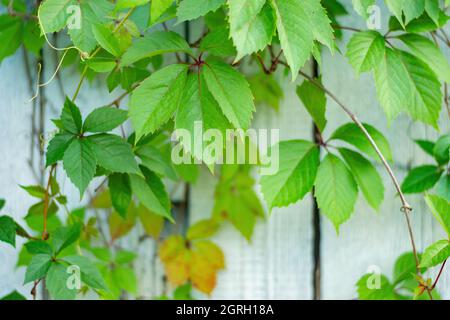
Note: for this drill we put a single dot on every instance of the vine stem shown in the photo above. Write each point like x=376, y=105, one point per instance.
x=439, y=274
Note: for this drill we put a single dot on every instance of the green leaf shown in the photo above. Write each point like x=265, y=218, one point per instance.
x=154, y=159
x=158, y=7
x=426, y=146
x=396, y=7
x=38, y=247
x=435, y=254
x=38, y=267
x=335, y=190
x=2, y=203
x=442, y=149
x=433, y=10
x=35, y=191
x=295, y=32
x=104, y=119
x=106, y=39
x=14, y=296
x=427, y=51
x=405, y=267
x=151, y=193
x=236, y=201
x=367, y=292
x=315, y=102
x=421, y=179
x=252, y=25
x=199, y=110
x=193, y=9
x=8, y=230
x=53, y=14
x=80, y=163
x=443, y=187
x=92, y=12
x=367, y=177
x=56, y=147
x=266, y=90
x=154, y=102
x=11, y=33
x=361, y=6
x=153, y=44
x=353, y=135
x=32, y=38
x=440, y=208
x=299, y=161
x=202, y=229
x=152, y=223
x=57, y=283
x=217, y=43
x=101, y=65
x=114, y=153
x=413, y=9
x=232, y=92
x=65, y=236
x=393, y=85
x=125, y=256
x=125, y=4
x=365, y=50
x=426, y=91
x=71, y=117
x=120, y=192
x=89, y=272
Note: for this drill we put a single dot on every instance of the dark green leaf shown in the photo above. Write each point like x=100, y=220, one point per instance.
x=120, y=192
x=71, y=117
x=65, y=236
x=421, y=179
x=104, y=119
x=38, y=267
x=8, y=230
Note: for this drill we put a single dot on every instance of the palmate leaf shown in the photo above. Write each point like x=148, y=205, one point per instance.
x=193, y=9
x=217, y=43
x=38, y=267
x=53, y=14
x=335, y=190
x=154, y=44
x=71, y=117
x=365, y=50
x=361, y=6
x=80, y=162
x=252, y=25
x=232, y=92
x=299, y=161
x=154, y=102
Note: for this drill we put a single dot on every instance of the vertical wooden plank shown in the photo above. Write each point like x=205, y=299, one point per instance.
x=371, y=238
x=277, y=264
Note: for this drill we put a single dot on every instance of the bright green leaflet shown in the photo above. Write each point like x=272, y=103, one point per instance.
x=299, y=161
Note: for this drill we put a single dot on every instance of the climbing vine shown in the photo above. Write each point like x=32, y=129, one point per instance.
x=120, y=157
